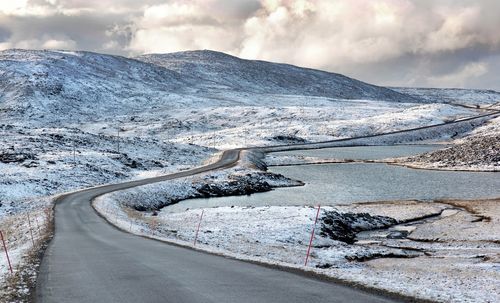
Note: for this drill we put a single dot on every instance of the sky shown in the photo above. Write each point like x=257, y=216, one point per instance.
x=423, y=43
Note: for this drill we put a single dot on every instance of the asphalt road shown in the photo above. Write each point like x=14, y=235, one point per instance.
x=91, y=261
x=88, y=260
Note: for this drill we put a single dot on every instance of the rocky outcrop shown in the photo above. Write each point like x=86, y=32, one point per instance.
x=152, y=198
x=473, y=152
x=14, y=157
x=344, y=226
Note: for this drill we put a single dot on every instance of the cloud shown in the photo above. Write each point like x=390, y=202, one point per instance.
x=59, y=44
x=84, y=31
x=460, y=77
x=187, y=25
x=396, y=42
x=337, y=33
x=342, y=36
x=4, y=34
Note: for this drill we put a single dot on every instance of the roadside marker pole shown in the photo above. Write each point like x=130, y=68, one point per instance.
x=118, y=140
x=214, y=138
x=312, y=236
x=153, y=225
x=31, y=230
x=198, y=228
x=6, y=253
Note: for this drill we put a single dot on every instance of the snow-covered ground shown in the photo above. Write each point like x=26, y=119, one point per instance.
x=76, y=119
x=243, y=126
x=479, y=150
x=471, y=97
x=226, y=72
x=41, y=161
x=25, y=234
x=38, y=162
x=456, y=267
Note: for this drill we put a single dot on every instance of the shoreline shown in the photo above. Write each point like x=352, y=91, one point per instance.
x=257, y=162
x=388, y=162
x=165, y=225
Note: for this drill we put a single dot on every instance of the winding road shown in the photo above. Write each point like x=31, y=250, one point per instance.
x=88, y=260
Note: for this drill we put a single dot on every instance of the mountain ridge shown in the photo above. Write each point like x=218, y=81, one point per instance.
x=260, y=76
x=81, y=85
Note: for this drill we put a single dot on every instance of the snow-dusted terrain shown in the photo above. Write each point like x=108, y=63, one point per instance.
x=478, y=151
x=75, y=119
x=392, y=240
x=234, y=74
x=58, y=86
x=470, y=97
x=70, y=120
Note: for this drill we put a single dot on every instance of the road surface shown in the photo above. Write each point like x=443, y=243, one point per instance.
x=88, y=260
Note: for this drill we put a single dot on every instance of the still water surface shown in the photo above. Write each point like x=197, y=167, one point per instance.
x=330, y=184
x=364, y=152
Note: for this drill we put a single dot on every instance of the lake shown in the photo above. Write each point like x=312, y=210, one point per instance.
x=330, y=184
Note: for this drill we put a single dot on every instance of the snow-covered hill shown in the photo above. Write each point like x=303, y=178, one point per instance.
x=232, y=73
x=453, y=95
x=36, y=84
x=61, y=86
x=58, y=108
x=76, y=119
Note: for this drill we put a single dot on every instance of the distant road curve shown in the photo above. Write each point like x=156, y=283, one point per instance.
x=88, y=260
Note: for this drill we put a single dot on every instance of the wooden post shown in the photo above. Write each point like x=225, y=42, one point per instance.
x=198, y=228
x=6, y=252
x=118, y=140
x=312, y=236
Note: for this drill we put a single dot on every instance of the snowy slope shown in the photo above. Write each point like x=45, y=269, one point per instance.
x=453, y=95
x=233, y=73
x=76, y=119
x=55, y=104
x=58, y=87
x=64, y=84
x=61, y=86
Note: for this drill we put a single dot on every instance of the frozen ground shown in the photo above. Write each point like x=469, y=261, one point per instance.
x=244, y=126
x=25, y=234
x=40, y=161
x=419, y=243
x=469, y=97
x=76, y=119
x=478, y=151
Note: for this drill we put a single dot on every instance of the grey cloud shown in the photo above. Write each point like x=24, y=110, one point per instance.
x=90, y=32
x=4, y=34
x=239, y=10
x=122, y=6
x=386, y=42
x=423, y=70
